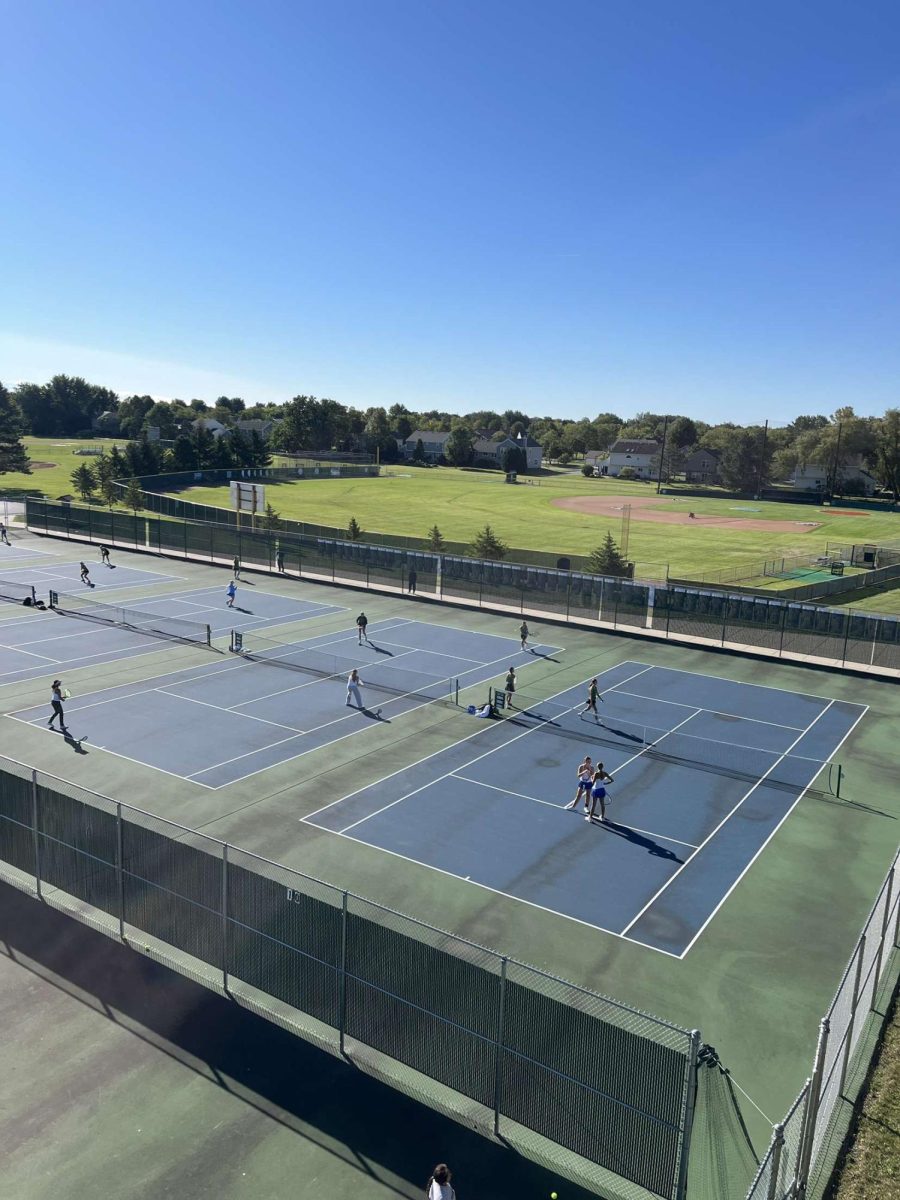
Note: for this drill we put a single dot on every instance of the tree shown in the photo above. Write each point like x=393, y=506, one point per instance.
x=419, y=452
x=401, y=421
x=514, y=458
x=887, y=451
x=378, y=434
x=272, y=518
x=134, y=497
x=161, y=416
x=108, y=490
x=460, y=447
x=184, y=456
x=436, y=540
x=587, y=470
x=486, y=544
x=354, y=533
x=13, y=456
x=311, y=424
x=607, y=558
x=133, y=412
x=746, y=459
x=84, y=481
x=681, y=434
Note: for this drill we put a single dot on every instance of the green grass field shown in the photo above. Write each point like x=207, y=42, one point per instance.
x=53, y=461
x=462, y=502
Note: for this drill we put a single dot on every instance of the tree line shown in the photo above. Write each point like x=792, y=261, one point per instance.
x=750, y=456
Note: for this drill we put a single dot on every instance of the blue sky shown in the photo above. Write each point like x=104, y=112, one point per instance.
x=567, y=208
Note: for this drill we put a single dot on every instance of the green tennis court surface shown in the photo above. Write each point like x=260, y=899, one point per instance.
x=755, y=980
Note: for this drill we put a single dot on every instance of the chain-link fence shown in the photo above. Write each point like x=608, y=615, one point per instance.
x=600, y=1090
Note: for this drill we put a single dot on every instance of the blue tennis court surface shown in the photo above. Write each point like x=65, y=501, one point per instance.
x=19, y=555
x=66, y=577
x=705, y=771
x=221, y=723
x=32, y=642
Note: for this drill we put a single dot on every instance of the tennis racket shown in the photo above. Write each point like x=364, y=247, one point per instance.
x=67, y=695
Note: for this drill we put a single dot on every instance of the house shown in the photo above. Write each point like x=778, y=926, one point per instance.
x=702, y=467
x=433, y=443
x=489, y=450
x=262, y=426
x=107, y=422
x=641, y=455
x=211, y=425
x=534, y=451
x=814, y=477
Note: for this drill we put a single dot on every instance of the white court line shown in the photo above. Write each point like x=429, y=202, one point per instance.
x=28, y=653
x=761, y=687
x=476, y=733
x=495, y=891
x=563, y=807
x=260, y=750
x=217, y=708
x=689, y=946
x=431, y=782
x=716, y=712
x=726, y=818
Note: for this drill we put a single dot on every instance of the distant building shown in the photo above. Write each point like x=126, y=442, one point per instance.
x=702, y=467
x=107, y=422
x=486, y=449
x=433, y=443
x=534, y=451
x=813, y=477
x=639, y=454
x=261, y=425
x=211, y=425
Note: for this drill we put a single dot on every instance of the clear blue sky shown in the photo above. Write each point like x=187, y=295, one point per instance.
x=568, y=208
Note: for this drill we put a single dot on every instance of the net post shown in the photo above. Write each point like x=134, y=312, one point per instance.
x=208, y=636
x=854, y=1004
x=687, y=1123
x=456, y=692
x=225, y=916
x=498, y=1060
x=342, y=978
x=120, y=872
x=879, y=954
x=811, y=1111
x=34, y=833
x=775, y=1161
x=840, y=780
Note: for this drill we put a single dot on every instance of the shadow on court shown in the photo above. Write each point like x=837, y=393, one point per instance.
x=639, y=839
x=371, y=1132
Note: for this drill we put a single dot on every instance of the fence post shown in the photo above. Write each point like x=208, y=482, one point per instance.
x=775, y=1161
x=342, y=978
x=847, y=618
x=687, y=1125
x=724, y=618
x=811, y=1112
x=861, y=949
x=784, y=613
x=884, y=924
x=120, y=872
x=498, y=1061
x=184, y=530
x=34, y=832
x=225, y=916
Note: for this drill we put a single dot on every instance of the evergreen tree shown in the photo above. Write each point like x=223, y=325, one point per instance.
x=436, y=540
x=607, y=558
x=12, y=450
x=259, y=451
x=419, y=452
x=460, y=447
x=134, y=496
x=84, y=481
x=354, y=533
x=271, y=518
x=486, y=544
x=108, y=490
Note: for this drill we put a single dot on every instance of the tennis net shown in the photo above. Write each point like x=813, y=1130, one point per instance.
x=153, y=624
x=382, y=677
x=734, y=760
x=16, y=592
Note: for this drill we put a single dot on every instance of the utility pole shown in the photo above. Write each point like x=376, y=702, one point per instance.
x=832, y=482
x=762, y=459
x=662, y=456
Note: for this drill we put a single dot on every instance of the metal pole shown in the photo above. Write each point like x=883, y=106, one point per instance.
x=342, y=978
x=690, y=1103
x=762, y=459
x=120, y=872
x=498, y=1062
x=811, y=1112
x=225, y=916
x=884, y=924
x=34, y=833
x=662, y=455
x=775, y=1163
x=861, y=948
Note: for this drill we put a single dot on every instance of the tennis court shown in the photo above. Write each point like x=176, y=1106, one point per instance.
x=66, y=576
x=84, y=632
x=705, y=769
x=276, y=700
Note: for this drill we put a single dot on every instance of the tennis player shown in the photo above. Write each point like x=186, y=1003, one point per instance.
x=354, y=683
x=104, y=556
x=56, y=703
x=230, y=592
x=85, y=575
x=510, y=686
x=590, y=705
x=4, y=537
x=236, y=567
x=585, y=775
x=361, y=622
x=523, y=634
x=598, y=792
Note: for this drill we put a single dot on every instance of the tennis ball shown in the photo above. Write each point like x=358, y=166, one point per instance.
x=554, y=1196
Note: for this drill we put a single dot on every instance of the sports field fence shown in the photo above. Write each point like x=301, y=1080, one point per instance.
x=761, y=624
x=583, y=1083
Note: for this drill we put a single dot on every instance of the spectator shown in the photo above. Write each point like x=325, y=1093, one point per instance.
x=439, y=1184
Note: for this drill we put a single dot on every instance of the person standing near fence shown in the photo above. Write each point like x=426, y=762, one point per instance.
x=4, y=537
x=236, y=567
x=439, y=1186
x=56, y=703
x=412, y=578
x=279, y=560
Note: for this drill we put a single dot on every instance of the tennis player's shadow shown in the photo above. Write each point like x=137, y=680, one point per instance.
x=375, y=715
x=539, y=654
x=380, y=649
x=74, y=742
x=638, y=839
x=247, y=611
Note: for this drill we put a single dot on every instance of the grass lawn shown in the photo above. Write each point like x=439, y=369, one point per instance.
x=52, y=479
x=462, y=502
x=871, y=1169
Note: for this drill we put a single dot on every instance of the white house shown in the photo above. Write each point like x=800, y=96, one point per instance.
x=639, y=454
x=261, y=425
x=433, y=443
x=211, y=425
x=813, y=477
x=534, y=451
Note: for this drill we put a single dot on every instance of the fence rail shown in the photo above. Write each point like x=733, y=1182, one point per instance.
x=520, y=1054
x=769, y=625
